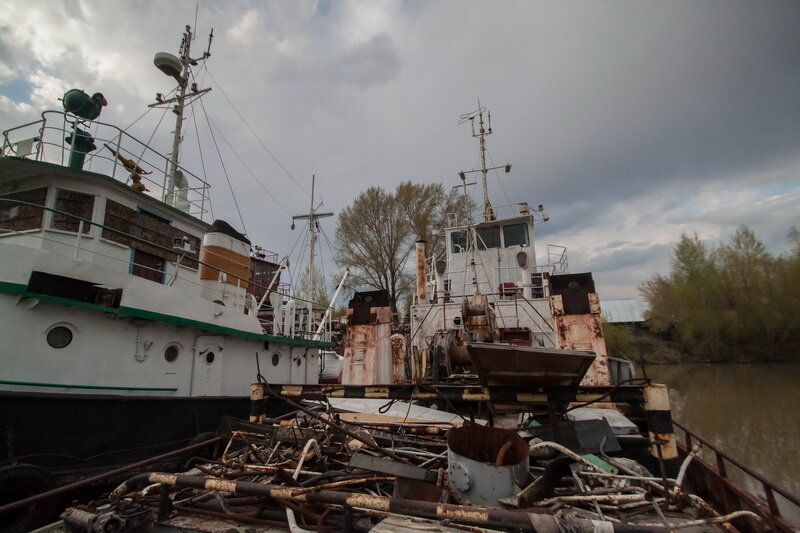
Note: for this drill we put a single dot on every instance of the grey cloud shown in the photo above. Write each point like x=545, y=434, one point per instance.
x=613, y=114
x=375, y=61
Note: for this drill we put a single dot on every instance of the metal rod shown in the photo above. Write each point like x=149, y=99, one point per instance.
x=473, y=515
x=337, y=427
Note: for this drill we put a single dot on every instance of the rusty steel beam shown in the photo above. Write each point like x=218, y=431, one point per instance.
x=522, y=395
x=472, y=514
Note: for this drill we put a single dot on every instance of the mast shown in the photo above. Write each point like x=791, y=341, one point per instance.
x=483, y=130
x=313, y=227
x=178, y=110
x=180, y=69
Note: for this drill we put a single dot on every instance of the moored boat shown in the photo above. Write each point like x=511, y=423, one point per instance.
x=131, y=321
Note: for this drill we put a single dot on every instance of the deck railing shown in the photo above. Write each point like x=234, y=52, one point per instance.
x=727, y=489
x=78, y=246
x=45, y=140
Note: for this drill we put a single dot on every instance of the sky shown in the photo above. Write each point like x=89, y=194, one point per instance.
x=632, y=122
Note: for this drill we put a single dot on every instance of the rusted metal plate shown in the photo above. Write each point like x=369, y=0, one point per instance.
x=499, y=364
x=386, y=465
x=486, y=464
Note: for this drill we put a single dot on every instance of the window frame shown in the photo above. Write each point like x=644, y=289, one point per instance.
x=54, y=217
x=481, y=242
x=527, y=235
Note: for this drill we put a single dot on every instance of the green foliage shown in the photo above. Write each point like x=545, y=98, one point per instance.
x=732, y=302
x=312, y=288
x=375, y=235
x=619, y=340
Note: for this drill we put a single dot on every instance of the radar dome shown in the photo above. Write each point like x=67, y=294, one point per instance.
x=168, y=64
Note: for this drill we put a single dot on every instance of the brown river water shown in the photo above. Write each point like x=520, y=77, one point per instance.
x=751, y=412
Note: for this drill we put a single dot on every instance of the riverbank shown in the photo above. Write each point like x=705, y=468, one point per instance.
x=653, y=349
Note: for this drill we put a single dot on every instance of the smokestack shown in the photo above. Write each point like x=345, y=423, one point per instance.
x=421, y=296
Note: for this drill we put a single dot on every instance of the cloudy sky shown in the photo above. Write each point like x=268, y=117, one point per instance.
x=631, y=121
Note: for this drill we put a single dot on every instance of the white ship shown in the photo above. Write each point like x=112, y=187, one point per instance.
x=486, y=304
x=129, y=319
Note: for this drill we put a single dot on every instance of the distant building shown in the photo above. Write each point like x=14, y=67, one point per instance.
x=627, y=311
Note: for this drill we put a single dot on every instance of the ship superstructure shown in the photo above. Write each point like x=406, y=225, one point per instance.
x=486, y=286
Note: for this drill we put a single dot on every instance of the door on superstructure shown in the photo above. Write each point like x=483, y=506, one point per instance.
x=207, y=366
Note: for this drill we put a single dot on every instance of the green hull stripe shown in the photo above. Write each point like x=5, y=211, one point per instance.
x=94, y=387
x=21, y=290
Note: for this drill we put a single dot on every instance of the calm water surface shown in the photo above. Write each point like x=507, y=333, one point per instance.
x=752, y=412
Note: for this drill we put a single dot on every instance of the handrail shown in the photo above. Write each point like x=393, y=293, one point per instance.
x=770, y=489
x=117, y=139
x=139, y=239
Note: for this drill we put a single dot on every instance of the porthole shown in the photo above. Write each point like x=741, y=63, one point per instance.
x=276, y=358
x=171, y=353
x=210, y=357
x=59, y=337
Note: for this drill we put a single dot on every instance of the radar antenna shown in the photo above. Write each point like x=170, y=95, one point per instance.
x=484, y=129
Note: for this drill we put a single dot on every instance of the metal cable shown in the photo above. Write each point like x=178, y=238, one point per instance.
x=222, y=163
x=272, y=155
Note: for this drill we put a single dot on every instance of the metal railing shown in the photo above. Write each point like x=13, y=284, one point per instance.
x=45, y=140
x=75, y=247
x=501, y=212
x=769, y=509
x=557, y=257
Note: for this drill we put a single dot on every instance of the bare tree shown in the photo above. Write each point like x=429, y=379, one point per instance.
x=375, y=235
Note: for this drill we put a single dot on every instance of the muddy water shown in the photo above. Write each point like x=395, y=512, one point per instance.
x=752, y=412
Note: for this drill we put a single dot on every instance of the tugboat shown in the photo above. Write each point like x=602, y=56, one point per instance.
x=485, y=303
x=130, y=320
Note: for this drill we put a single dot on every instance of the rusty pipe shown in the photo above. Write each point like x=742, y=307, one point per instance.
x=473, y=515
x=421, y=292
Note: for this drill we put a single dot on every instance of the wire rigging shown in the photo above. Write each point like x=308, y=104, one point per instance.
x=222, y=163
x=263, y=145
x=202, y=160
x=497, y=175
x=249, y=170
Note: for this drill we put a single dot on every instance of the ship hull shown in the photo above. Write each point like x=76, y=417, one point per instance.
x=70, y=433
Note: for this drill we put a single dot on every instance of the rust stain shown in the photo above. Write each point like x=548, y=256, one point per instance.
x=460, y=514
x=167, y=479
x=221, y=484
x=669, y=450
x=368, y=501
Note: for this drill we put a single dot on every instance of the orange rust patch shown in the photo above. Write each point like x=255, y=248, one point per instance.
x=368, y=502
x=221, y=484
x=462, y=514
x=167, y=479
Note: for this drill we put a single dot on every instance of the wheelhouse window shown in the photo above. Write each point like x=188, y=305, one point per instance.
x=153, y=247
x=19, y=217
x=515, y=235
x=73, y=204
x=488, y=237
x=458, y=242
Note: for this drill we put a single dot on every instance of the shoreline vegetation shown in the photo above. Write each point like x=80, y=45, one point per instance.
x=730, y=303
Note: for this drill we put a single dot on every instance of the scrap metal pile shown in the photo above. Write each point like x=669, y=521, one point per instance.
x=323, y=469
